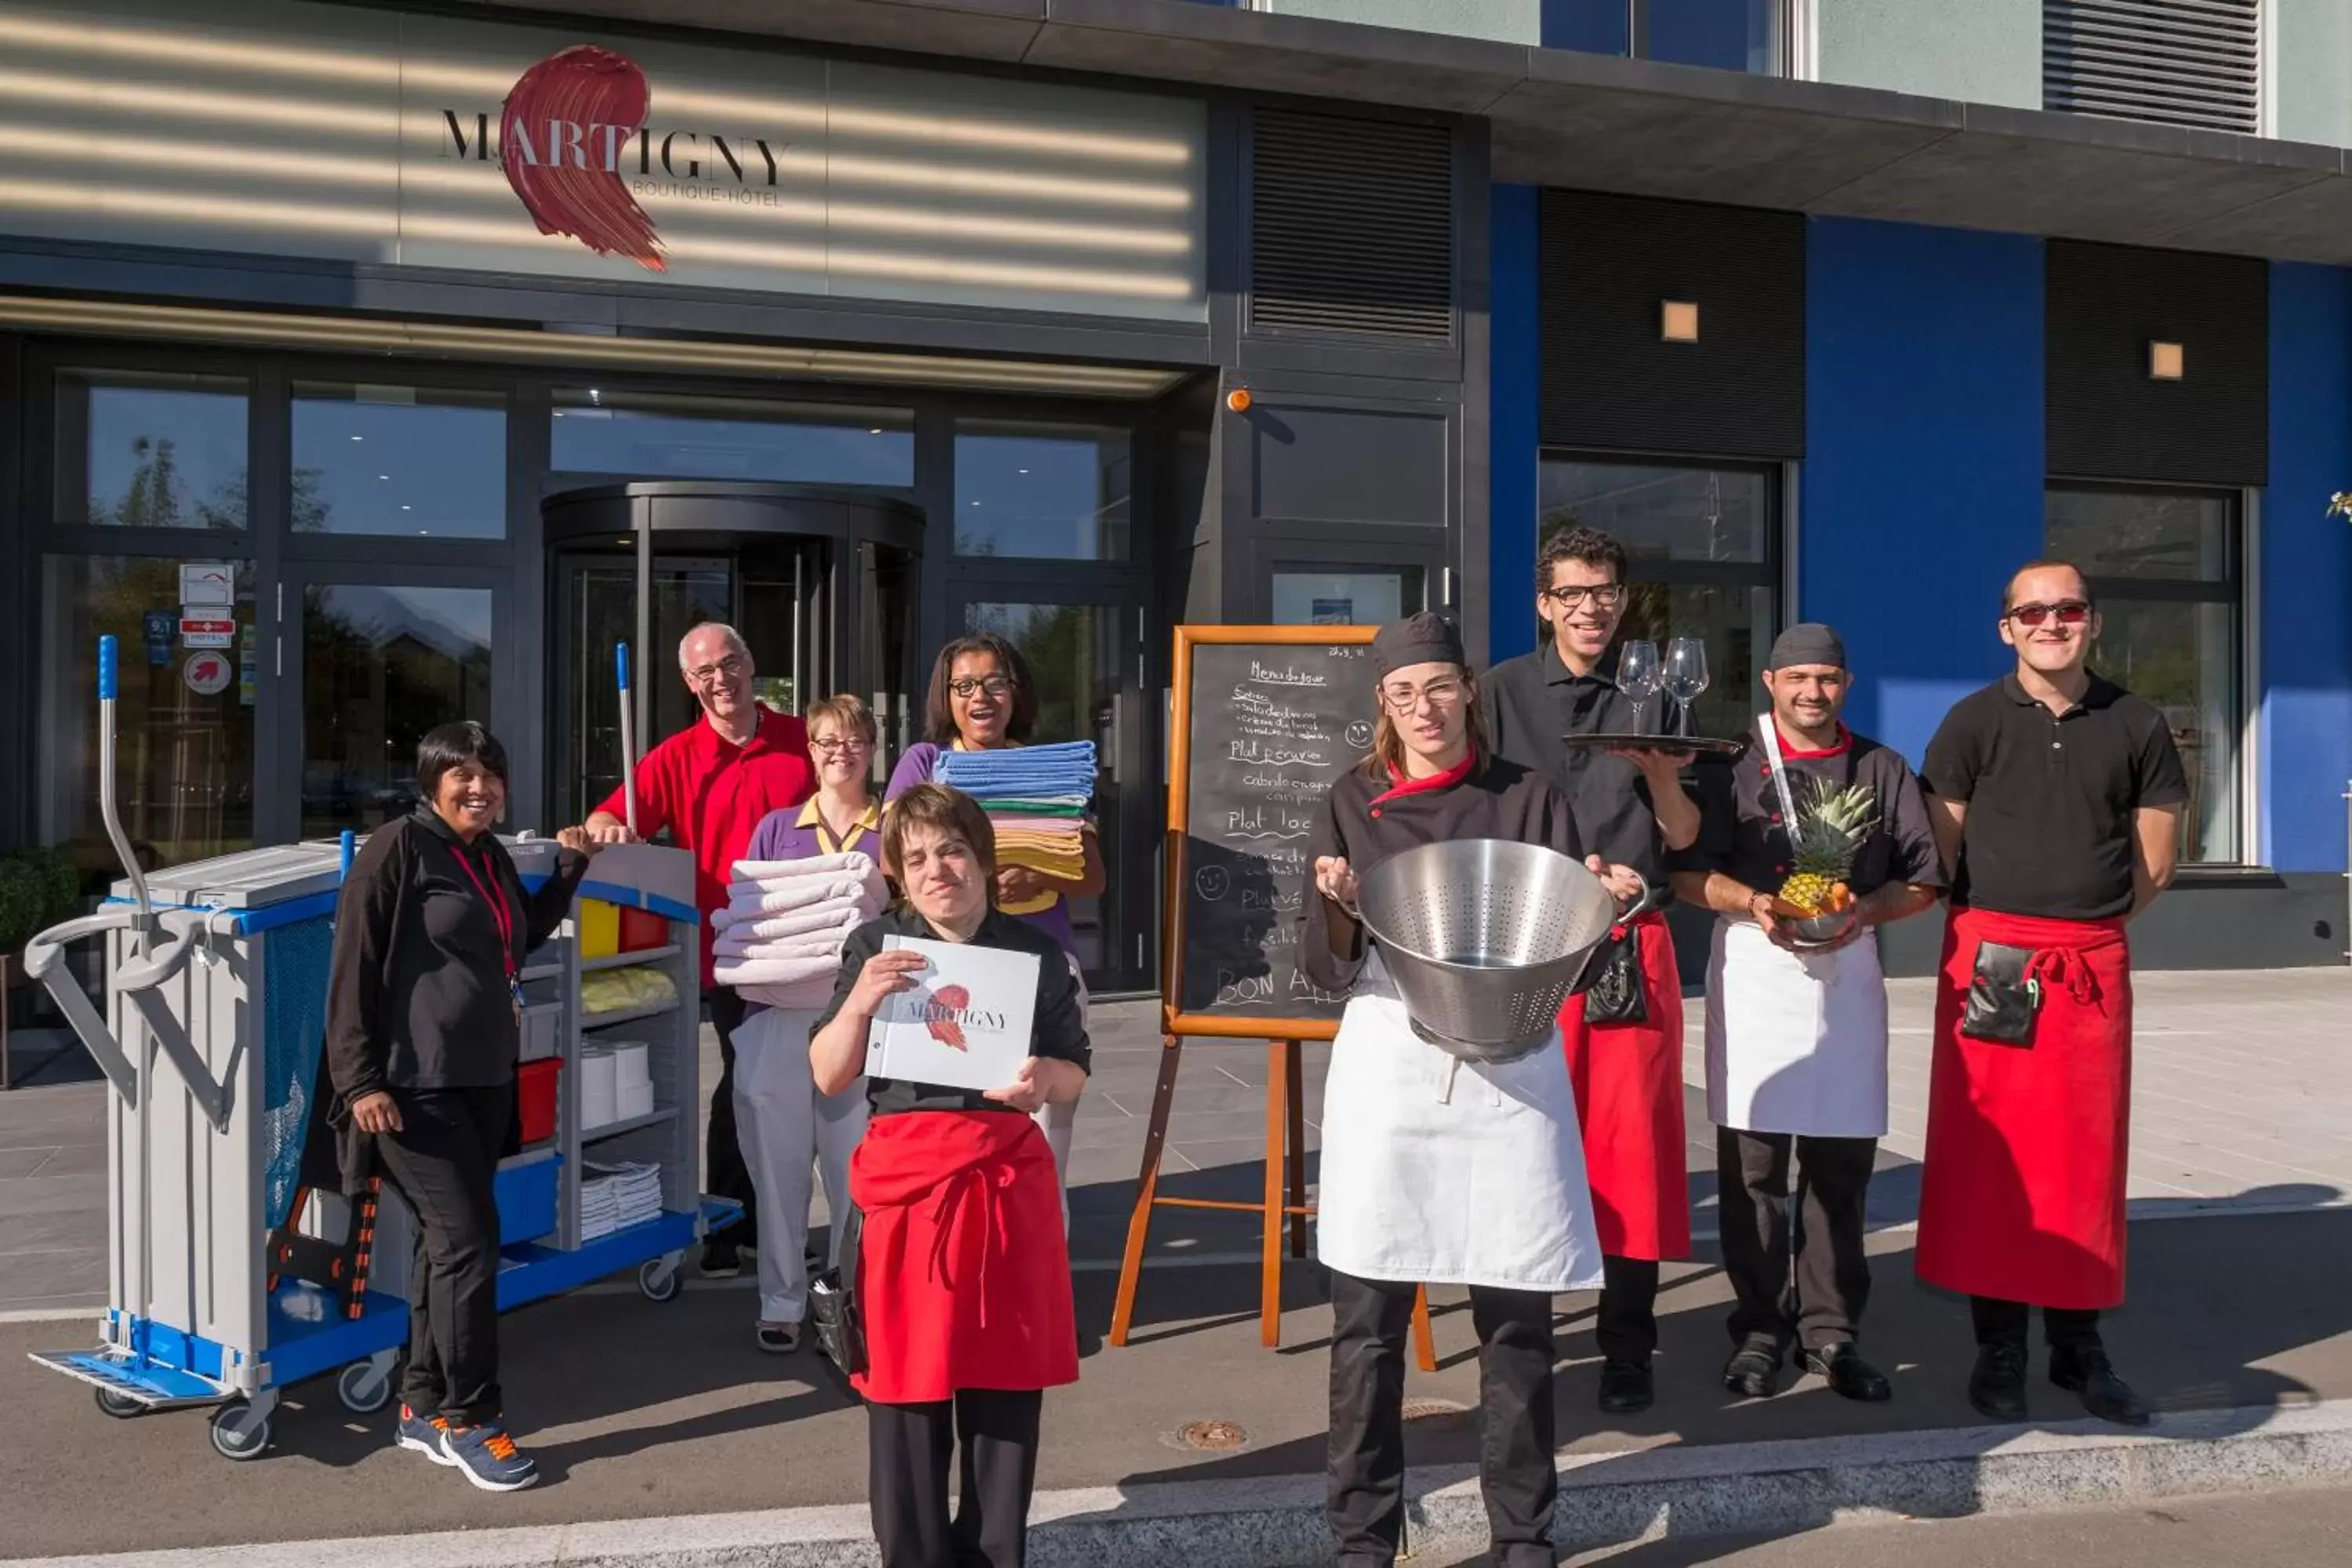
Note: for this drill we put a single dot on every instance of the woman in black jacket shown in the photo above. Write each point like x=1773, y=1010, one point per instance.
x=424, y=1030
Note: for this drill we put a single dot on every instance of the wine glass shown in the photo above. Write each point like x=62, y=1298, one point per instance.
x=1685, y=675
x=1638, y=675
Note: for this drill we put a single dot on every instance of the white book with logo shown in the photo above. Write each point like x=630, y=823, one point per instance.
x=966, y=1023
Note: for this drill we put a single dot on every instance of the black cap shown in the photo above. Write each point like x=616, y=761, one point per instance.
x=1806, y=642
x=1421, y=638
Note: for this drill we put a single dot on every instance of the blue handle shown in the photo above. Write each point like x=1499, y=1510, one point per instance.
x=105, y=678
x=621, y=663
x=351, y=847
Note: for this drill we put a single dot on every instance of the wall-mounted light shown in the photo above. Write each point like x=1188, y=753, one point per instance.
x=2164, y=361
x=1238, y=400
x=1678, y=320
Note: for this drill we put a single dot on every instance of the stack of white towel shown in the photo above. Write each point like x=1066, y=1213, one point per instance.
x=778, y=940
x=614, y=1197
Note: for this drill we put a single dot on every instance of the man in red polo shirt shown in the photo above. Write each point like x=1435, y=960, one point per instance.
x=709, y=785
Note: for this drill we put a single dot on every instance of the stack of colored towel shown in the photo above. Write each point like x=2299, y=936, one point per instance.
x=778, y=938
x=1036, y=799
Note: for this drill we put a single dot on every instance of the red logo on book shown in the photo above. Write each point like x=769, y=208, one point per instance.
x=941, y=1019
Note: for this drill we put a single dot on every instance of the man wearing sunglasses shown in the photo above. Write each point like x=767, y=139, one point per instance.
x=2056, y=798
x=708, y=786
x=1631, y=809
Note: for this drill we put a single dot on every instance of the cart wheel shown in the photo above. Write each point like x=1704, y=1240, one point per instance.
x=660, y=1278
x=121, y=1406
x=363, y=1388
x=238, y=1433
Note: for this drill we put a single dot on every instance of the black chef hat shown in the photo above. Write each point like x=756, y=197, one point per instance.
x=1806, y=642
x=1421, y=638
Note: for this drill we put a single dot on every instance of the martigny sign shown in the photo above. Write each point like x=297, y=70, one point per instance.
x=284, y=128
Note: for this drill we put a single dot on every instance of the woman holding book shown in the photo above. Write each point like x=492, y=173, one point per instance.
x=982, y=700
x=1436, y=1168
x=959, y=1268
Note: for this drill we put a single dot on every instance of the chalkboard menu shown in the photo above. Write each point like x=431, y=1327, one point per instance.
x=1266, y=719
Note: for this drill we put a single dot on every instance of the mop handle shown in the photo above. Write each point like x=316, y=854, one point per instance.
x=628, y=735
x=109, y=682
x=349, y=851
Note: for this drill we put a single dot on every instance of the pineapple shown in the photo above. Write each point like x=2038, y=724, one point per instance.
x=1832, y=824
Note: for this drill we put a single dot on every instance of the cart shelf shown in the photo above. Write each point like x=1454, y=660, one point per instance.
x=627, y=1014
x=654, y=1117
x=627, y=960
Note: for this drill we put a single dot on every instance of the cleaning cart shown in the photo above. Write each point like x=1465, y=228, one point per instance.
x=214, y=1020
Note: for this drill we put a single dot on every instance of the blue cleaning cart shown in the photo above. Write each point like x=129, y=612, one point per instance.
x=214, y=1018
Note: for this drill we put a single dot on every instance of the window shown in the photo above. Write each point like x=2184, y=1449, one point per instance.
x=381, y=666
x=184, y=715
x=399, y=460
x=1728, y=34
x=652, y=435
x=1056, y=491
x=1706, y=554
x=137, y=449
x=2164, y=566
x=1313, y=595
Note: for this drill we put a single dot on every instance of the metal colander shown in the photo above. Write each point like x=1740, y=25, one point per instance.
x=1484, y=939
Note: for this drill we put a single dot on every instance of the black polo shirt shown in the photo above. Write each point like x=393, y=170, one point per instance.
x=1741, y=834
x=1532, y=702
x=2050, y=796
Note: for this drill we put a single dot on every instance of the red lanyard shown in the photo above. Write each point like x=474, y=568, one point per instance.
x=501, y=916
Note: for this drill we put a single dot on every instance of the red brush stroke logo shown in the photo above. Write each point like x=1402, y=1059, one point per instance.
x=939, y=1020
x=577, y=101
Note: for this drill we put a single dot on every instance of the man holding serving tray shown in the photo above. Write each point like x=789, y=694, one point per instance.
x=1547, y=711
x=1813, y=836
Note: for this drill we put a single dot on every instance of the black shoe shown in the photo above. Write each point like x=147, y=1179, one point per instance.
x=2086, y=1375
x=1997, y=1387
x=1848, y=1374
x=1625, y=1388
x=722, y=1260
x=1753, y=1371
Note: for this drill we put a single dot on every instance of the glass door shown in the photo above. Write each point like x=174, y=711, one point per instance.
x=378, y=656
x=596, y=600
x=1086, y=659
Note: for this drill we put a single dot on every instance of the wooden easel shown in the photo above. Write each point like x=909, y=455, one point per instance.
x=1284, y=1203
x=1285, y=1155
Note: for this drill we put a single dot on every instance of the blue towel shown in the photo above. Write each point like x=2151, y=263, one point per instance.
x=1021, y=772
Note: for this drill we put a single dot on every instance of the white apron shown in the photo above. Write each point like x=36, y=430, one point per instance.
x=1438, y=1171
x=1795, y=1042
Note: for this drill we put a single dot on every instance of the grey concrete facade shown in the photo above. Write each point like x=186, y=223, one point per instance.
x=1986, y=51
x=2311, y=71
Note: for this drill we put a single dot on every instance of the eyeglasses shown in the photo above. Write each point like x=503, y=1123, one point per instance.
x=994, y=685
x=1603, y=594
x=731, y=666
x=832, y=743
x=2070, y=613
x=1440, y=694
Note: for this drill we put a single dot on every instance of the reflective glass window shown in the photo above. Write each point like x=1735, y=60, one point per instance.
x=399, y=459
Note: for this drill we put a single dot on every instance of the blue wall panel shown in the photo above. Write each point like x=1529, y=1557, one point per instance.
x=1511, y=476
x=1922, y=486
x=2306, y=572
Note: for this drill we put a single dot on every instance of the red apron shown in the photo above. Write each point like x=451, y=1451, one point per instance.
x=963, y=1273
x=2022, y=1197
x=1628, y=1104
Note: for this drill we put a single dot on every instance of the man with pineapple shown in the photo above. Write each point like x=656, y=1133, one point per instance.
x=2056, y=798
x=1810, y=839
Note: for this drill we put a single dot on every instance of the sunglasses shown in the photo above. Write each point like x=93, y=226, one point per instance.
x=2070, y=613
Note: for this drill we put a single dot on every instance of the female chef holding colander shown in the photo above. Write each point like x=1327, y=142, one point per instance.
x=1411, y=1134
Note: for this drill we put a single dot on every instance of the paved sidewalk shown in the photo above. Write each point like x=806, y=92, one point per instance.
x=2241, y=1102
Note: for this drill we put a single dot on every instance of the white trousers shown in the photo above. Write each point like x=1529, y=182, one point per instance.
x=785, y=1128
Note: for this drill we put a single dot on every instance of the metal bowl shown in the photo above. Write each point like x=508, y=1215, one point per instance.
x=1484, y=939
x=1816, y=930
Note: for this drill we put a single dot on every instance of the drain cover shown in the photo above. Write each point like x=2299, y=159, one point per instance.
x=1215, y=1437
x=1436, y=1412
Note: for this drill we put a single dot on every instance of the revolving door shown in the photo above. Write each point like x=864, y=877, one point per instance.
x=823, y=584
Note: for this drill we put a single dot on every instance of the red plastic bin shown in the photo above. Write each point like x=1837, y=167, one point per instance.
x=535, y=1096
x=642, y=929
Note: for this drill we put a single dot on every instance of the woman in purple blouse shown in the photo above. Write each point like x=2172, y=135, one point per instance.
x=784, y=1122
x=981, y=700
